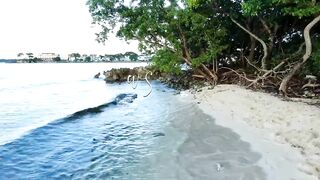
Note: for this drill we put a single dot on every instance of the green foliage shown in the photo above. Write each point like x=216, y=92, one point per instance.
x=57, y=59
x=76, y=56
x=20, y=55
x=207, y=57
x=202, y=30
x=132, y=56
x=195, y=3
x=87, y=59
x=30, y=55
x=205, y=42
x=167, y=61
x=165, y=28
x=252, y=7
x=34, y=60
x=299, y=8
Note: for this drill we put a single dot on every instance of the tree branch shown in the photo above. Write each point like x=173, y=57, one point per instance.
x=265, y=49
x=298, y=66
x=265, y=75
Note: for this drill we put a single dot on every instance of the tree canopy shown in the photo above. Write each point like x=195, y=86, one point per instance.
x=275, y=40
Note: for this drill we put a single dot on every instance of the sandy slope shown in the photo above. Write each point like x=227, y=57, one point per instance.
x=287, y=134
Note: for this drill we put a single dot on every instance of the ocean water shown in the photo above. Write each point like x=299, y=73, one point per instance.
x=58, y=122
x=31, y=95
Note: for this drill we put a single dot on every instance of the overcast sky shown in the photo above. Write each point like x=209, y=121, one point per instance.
x=58, y=26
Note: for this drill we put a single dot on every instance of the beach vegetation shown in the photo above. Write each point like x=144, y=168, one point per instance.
x=258, y=43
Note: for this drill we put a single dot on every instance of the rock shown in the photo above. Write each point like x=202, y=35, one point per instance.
x=179, y=82
x=97, y=75
x=121, y=74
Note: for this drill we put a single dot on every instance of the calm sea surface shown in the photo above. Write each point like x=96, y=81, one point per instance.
x=58, y=122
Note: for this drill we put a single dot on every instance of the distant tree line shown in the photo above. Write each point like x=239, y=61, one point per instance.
x=77, y=57
x=128, y=56
x=28, y=57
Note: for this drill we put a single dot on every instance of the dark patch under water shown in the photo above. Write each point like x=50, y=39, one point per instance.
x=94, y=143
x=120, y=99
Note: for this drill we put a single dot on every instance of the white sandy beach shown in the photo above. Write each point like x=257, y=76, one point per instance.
x=286, y=134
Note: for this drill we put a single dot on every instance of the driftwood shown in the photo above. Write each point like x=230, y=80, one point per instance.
x=309, y=85
x=198, y=76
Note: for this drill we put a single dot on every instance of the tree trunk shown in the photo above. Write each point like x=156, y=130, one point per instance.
x=188, y=59
x=265, y=48
x=272, y=36
x=298, y=66
x=252, y=49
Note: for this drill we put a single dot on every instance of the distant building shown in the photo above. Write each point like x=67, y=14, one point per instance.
x=48, y=57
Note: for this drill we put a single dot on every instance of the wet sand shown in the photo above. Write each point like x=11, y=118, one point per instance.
x=194, y=147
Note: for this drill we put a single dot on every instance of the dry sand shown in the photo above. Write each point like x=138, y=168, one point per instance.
x=286, y=134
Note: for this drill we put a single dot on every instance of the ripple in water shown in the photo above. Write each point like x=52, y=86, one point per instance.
x=95, y=143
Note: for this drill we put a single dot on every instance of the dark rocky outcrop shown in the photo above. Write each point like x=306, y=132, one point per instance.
x=183, y=81
x=121, y=74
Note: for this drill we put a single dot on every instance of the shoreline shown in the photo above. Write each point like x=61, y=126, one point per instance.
x=285, y=133
x=67, y=62
x=195, y=147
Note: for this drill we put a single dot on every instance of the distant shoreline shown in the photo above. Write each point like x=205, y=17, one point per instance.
x=10, y=61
